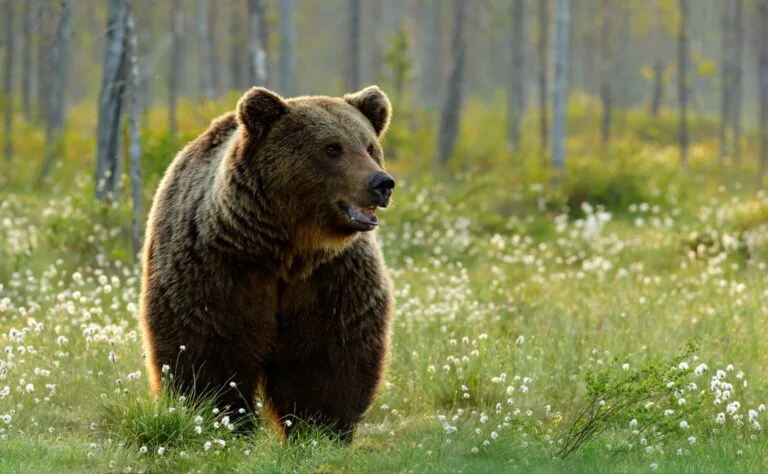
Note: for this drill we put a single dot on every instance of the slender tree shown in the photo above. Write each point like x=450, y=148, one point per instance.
x=213, y=34
x=543, y=48
x=607, y=70
x=134, y=141
x=8, y=78
x=204, y=39
x=287, y=47
x=257, y=43
x=517, y=73
x=763, y=82
x=726, y=75
x=57, y=86
x=174, y=66
x=238, y=67
x=657, y=93
x=111, y=101
x=449, y=119
x=431, y=76
x=560, y=98
x=354, y=48
x=738, y=81
x=44, y=45
x=26, y=62
x=683, y=55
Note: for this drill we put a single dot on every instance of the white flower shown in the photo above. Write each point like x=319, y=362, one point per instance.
x=729, y=368
x=288, y=423
x=625, y=366
x=207, y=445
x=761, y=407
x=198, y=419
x=160, y=450
x=683, y=366
x=654, y=466
x=669, y=412
x=143, y=450
x=232, y=384
x=720, y=418
x=165, y=369
x=681, y=401
x=494, y=435
x=475, y=450
x=684, y=425
x=633, y=423
x=700, y=369
x=691, y=440
x=752, y=415
x=520, y=340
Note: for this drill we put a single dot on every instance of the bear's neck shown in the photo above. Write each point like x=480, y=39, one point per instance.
x=238, y=219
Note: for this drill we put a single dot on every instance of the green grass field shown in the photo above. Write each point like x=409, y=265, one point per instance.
x=532, y=333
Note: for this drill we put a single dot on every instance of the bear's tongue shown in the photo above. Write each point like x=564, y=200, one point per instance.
x=366, y=215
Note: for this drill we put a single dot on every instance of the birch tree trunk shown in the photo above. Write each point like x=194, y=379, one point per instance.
x=204, y=39
x=8, y=79
x=257, y=43
x=431, y=66
x=134, y=140
x=543, y=70
x=607, y=40
x=354, y=50
x=43, y=57
x=763, y=82
x=738, y=93
x=517, y=73
x=560, y=98
x=174, y=65
x=683, y=55
x=726, y=76
x=26, y=63
x=657, y=94
x=57, y=86
x=111, y=101
x=287, y=47
x=213, y=34
x=449, y=120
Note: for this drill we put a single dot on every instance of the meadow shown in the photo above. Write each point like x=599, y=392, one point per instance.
x=613, y=323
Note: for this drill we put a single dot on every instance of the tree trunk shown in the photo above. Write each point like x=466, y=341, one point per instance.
x=257, y=43
x=683, y=55
x=26, y=63
x=607, y=71
x=8, y=79
x=543, y=70
x=238, y=74
x=763, y=83
x=449, y=120
x=134, y=140
x=111, y=101
x=726, y=76
x=353, y=46
x=431, y=76
x=738, y=93
x=287, y=47
x=204, y=38
x=57, y=86
x=657, y=94
x=560, y=99
x=174, y=66
x=517, y=74
x=213, y=34
x=43, y=58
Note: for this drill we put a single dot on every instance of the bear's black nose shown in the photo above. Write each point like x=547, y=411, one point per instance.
x=382, y=184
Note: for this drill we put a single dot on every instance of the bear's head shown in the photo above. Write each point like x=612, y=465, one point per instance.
x=318, y=160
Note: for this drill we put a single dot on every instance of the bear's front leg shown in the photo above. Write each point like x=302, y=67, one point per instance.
x=329, y=389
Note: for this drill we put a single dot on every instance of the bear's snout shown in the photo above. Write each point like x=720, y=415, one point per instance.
x=382, y=184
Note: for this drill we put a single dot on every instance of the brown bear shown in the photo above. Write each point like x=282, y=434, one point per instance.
x=261, y=274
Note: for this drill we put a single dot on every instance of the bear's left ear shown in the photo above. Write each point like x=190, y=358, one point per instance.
x=374, y=104
x=258, y=109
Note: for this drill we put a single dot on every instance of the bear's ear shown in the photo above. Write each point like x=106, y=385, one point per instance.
x=374, y=104
x=258, y=109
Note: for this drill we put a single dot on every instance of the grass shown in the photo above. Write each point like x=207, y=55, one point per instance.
x=525, y=317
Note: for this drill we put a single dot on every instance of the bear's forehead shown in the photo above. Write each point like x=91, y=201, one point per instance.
x=326, y=115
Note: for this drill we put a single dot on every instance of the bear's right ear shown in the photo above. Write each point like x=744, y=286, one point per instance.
x=258, y=109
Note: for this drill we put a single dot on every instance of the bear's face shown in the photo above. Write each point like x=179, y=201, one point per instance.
x=319, y=160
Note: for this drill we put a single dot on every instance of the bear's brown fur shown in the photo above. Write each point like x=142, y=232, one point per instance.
x=257, y=261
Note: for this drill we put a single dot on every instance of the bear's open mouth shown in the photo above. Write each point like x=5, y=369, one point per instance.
x=364, y=216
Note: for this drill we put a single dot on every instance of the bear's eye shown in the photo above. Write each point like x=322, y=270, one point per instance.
x=333, y=150
x=370, y=149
